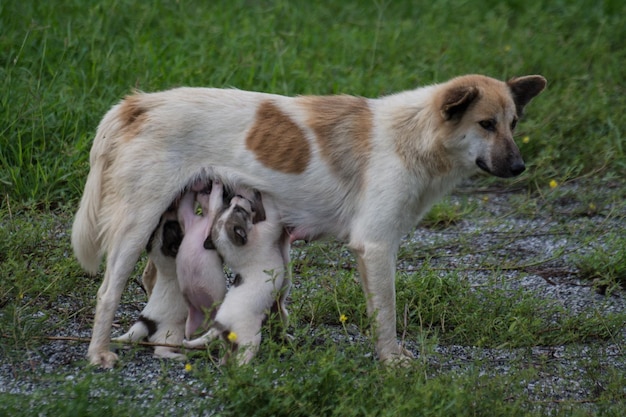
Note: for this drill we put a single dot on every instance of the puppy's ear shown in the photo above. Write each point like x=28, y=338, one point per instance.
x=456, y=100
x=172, y=236
x=257, y=208
x=208, y=243
x=227, y=195
x=525, y=89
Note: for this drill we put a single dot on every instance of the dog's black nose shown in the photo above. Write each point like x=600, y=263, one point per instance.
x=517, y=168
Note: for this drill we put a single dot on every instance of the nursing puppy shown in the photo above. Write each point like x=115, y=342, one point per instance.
x=362, y=170
x=257, y=253
x=198, y=267
x=163, y=318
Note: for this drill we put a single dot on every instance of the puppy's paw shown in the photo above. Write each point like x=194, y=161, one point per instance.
x=137, y=332
x=203, y=340
x=103, y=359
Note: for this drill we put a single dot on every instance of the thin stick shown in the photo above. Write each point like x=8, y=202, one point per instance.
x=123, y=342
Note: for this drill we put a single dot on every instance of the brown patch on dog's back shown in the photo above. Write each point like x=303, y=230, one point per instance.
x=343, y=129
x=133, y=115
x=277, y=141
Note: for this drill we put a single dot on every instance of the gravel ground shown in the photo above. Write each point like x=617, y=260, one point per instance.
x=562, y=367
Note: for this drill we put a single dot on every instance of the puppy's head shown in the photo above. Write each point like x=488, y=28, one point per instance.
x=480, y=114
x=238, y=218
x=238, y=221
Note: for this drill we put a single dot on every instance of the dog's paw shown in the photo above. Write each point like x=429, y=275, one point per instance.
x=104, y=359
x=401, y=358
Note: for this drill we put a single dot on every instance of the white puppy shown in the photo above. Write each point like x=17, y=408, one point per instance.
x=257, y=254
x=163, y=318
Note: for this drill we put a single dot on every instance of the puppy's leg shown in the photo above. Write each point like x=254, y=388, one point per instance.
x=241, y=315
x=286, y=286
x=162, y=319
x=149, y=277
x=137, y=332
x=376, y=263
x=237, y=322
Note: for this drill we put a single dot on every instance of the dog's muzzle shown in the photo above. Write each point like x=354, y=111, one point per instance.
x=512, y=169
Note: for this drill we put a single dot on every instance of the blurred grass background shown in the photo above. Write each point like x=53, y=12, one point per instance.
x=63, y=64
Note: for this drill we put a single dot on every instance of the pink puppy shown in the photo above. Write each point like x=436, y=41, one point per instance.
x=198, y=265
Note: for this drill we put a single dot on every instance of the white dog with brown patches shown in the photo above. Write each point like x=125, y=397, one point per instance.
x=362, y=170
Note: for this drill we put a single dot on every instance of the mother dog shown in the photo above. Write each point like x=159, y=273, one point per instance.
x=362, y=170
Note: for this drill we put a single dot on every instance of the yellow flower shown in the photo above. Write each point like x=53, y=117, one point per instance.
x=525, y=139
x=553, y=184
x=187, y=367
x=232, y=336
x=507, y=48
x=343, y=318
x=592, y=207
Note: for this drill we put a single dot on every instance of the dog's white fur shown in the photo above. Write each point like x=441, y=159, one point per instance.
x=261, y=282
x=362, y=170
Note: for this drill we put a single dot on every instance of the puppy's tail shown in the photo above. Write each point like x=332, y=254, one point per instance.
x=89, y=222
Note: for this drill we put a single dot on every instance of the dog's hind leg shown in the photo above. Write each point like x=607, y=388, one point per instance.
x=127, y=242
x=120, y=264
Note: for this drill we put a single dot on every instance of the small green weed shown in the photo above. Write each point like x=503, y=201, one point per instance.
x=447, y=213
x=605, y=264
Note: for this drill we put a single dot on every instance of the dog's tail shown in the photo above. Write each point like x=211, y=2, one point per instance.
x=87, y=230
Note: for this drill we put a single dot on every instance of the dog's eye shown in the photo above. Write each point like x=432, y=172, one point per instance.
x=513, y=124
x=489, y=125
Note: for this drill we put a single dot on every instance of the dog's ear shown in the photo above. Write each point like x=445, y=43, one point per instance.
x=525, y=89
x=257, y=208
x=457, y=99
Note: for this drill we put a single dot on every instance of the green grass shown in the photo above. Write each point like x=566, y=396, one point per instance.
x=64, y=64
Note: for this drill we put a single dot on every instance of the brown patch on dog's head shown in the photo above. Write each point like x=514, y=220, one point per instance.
x=479, y=115
x=468, y=124
x=457, y=100
x=343, y=129
x=133, y=115
x=277, y=141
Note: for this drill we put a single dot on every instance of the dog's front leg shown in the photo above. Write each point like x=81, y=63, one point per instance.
x=376, y=264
